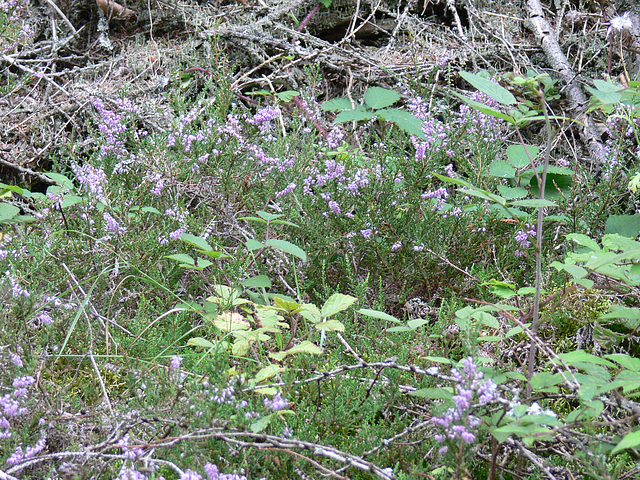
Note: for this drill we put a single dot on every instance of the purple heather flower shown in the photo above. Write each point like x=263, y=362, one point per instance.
x=278, y=403
x=16, y=360
x=366, y=233
x=175, y=362
x=334, y=207
x=112, y=224
x=288, y=189
x=396, y=246
x=44, y=318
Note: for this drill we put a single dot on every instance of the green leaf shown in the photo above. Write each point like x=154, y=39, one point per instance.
x=377, y=97
x=495, y=91
x=196, y=241
x=259, y=281
x=70, y=201
x=287, y=247
x=337, y=303
x=151, y=210
x=267, y=372
x=438, y=360
x=331, y=326
x=288, y=95
x=630, y=440
x=481, y=107
x=517, y=155
x=624, y=225
x=533, y=202
x=435, y=393
x=555, y=186
x=351, y=115
x=400, y=329
x=200, y=342
x=626, y=361
x=268, y=216
x=185, y=259
x=253, y=244
x=378, y=314
x=403, y=119
x=583, y=240
x=502, y=169
x=580, y=356
x=511, y=193
x=484, y=194
x=260, y=424
x=546, y=382
x=60, y=180
x=310, y=312
x=7, y=211
x=336, y=105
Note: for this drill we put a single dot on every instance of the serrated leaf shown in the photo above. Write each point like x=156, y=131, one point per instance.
x=517, y=155
x=353, y=115
x=624, y=225
x=200, y=342
x=495, y=91
x=630, y=440
x=70, y=201
x=336, y=105
x=378, y=97
x=260, y=424
x=583, y=240
x=580, y=356
x=253, y=244
x=288, y=95
x=337, y=303
x=310, y=312
x=403, y=119
x=287, y=247
x=305, y=347
x=330, y=326
x=378, y=314
x=502, y=169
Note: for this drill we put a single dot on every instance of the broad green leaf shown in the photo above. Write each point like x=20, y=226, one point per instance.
x=403, y=119
x=260, y=424
x=533, y=202
x=200, y=342
x=486, y=109
x=517, y=155
x=252, y=219
x=310, y=312
x=268, y=372
x=627, y=379
x=580, y=356
x=259, y=281
x=555, y=186
x=287, y=247
x=495, y=91
x=630, y=440
x=336, y=105
x=590, y=409
x=546, y=382
x=288, y=95
x=502, y=169
x=7, y=211
x=60, y=180
x=416, y=323
x=230, y=322
x=337, y=303
x=151, y=210
x=183, y=258
x=253, y=244
x=353, y=115
x=331, y=326
x=583, y=240
x=438, y=360
x=511, y=193
x=484, y=194
x=196, y=241
x=70, y=201
x=400, y=329
x=624, y=244
x=623, y=312
x=435, y=393
x=303, y=347
x=606, y=92
x=378, y=314
x=624, y=225
x=377, y=97
x=268, y=216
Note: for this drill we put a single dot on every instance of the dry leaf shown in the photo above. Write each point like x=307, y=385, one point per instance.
x=114, y=10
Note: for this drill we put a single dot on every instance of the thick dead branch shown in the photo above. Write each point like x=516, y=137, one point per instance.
x=543, y=32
